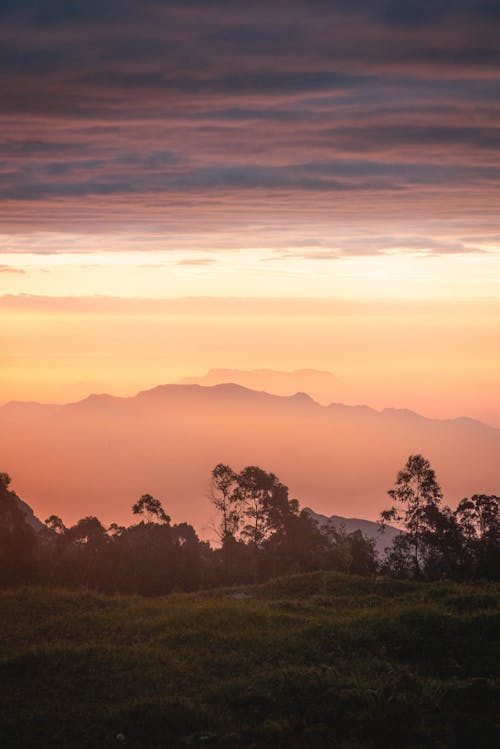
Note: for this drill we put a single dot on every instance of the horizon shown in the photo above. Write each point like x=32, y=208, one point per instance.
x=198, y=383
x=439, y=358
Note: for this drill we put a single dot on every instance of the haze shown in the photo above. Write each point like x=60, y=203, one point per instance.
x=95, y=456
x=441, y=358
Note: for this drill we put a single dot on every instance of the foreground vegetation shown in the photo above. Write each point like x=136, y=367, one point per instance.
x=315, y=660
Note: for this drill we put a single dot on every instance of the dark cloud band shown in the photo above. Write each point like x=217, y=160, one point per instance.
x=190, y=101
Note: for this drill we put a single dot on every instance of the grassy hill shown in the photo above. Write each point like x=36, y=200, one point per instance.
x=319, y=660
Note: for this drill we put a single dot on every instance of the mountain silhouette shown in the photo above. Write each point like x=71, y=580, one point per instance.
x=29, y=516
x=382, y=535
x=98, y=455
x=323, y=386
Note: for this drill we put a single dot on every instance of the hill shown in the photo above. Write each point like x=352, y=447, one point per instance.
x=98, y=455
x=382, y=535
x=310, y=661
x=29, y=516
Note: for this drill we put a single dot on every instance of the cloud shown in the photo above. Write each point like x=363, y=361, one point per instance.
x=108, y=178
x=242, y=83
x=421, y=245
x=231, y=306
x=369, y=245
x=199, y=116
x=197, y=261
x=11, y=269
x=55, y=12
x=406, y=134
x=312, y=255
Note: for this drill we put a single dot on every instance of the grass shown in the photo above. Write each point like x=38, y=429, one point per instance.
x=319, y=660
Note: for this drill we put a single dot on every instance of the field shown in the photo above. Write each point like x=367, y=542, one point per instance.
x=319, y=660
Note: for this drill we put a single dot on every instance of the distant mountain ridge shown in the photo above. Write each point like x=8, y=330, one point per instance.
x=326, y=388
x=29, y=515
x=382, y=535
x=96, y=456
x=20, y=410
x=321, y=385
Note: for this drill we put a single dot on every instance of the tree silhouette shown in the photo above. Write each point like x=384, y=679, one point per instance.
x=267, y=508
x=225, y=496
x=151, y=509
x=263, y=534
x=55, y=524
x=479, y=519
x=419, y=495
x=88, y=532
x=258, y=490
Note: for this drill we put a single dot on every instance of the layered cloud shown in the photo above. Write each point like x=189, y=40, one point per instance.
x=10, y=269
x=181, y=120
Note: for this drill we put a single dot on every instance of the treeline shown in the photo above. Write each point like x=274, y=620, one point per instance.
x=262, y=533
x=463, y=544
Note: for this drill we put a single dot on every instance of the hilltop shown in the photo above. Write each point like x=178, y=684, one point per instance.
x=308, y=661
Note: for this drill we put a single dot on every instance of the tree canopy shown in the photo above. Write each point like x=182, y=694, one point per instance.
x=262, y=533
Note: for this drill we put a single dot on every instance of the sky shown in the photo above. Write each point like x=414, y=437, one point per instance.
x=186, y=185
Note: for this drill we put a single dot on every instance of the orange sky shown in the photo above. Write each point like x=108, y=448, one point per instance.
x=441, y=358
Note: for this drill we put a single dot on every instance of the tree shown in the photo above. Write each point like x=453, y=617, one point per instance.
x=115, y=530
x=266, y=504
x=225, y=496
x=444, y=545
x=479, y=520
x=300, y=546
x=88, y=532
x=479, y=515
x=419, y=495
x=55, y=524
x=151, y=509
x=267, y=508
x=362, y=552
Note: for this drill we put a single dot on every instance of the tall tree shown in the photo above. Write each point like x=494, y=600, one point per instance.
x=225, y=496
x=418, y=495
x=263, y=496
x=267, y=509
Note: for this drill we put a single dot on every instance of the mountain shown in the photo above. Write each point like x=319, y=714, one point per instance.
x=10, y=504
x=29, y=515
x=382, y=535
x=97, y=456
x=323, y=386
